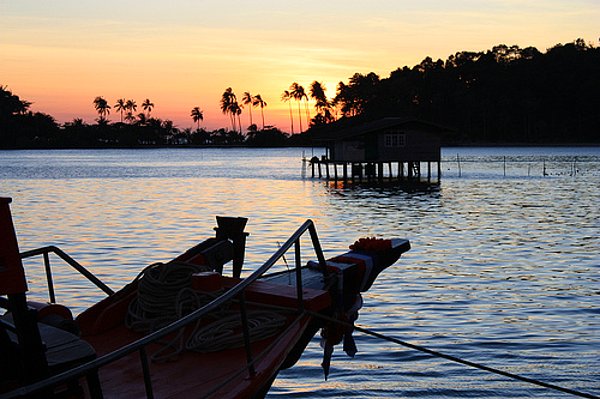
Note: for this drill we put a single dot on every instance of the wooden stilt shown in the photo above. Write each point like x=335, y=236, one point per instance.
x=345, y=171
x=428, y=171
x=360, y=173
x=335, y=174
x=380, y=172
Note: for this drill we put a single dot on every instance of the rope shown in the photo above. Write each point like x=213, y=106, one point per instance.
x=165, y=295
x=226, y=333
x=158, y=288
x=456, y=359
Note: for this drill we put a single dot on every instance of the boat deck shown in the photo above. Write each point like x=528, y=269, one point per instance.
x=202, y=372
x=193, y=372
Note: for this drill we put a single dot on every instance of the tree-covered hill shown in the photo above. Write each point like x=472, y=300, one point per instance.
x=504, y=95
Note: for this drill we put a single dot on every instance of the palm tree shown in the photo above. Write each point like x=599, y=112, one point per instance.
x=229, y=105
x=247, y=98
x=131, y=106
x=102, y=107
x=142, y=120
x=236, y=110
x=197, y=115
x=258, y=101
x=120, y=106
x=322, y=105
x=298, y=94
x=286, y=97
x=305, y=97
x=147, y=106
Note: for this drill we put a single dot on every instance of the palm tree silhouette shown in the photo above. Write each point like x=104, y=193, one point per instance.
x=120, y=106
x=305, y=98
x=147, y=106
x=322, y=105
x=247, y=98
x=258, y=101
x=286, y=96
x=197, y=115
x=102, y=108
x=230, y=106
x=142, y=120
x=130, y=106
x=297, y=93
x=236, y=110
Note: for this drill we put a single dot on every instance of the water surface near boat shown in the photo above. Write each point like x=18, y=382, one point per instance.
x=503, y=268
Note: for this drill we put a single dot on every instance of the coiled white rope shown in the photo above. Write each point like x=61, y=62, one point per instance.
x=165, y=295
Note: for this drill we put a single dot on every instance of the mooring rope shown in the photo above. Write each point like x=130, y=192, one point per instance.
x=456, y=359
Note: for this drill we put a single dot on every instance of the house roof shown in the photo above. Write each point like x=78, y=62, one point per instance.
x=376, y=125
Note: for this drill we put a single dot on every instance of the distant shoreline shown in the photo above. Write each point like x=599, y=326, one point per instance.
x=192, y=146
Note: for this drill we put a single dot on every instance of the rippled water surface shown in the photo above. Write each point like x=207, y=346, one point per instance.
x=504, y=267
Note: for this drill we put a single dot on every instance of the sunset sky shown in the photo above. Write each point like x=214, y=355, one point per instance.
x=180, y=54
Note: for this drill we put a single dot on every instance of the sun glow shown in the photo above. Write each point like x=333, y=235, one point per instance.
x=61, y=56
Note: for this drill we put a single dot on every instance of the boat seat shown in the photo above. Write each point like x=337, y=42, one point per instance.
x=63, y=350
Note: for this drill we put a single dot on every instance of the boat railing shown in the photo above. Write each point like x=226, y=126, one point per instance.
x=46, y=251
x=140, y=345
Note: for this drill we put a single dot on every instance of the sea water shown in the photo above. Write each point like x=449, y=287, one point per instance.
x=504, y=268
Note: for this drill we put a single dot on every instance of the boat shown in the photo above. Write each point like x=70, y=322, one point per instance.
x=184, y=328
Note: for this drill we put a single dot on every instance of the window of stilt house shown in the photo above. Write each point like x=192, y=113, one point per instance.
x=394, y=139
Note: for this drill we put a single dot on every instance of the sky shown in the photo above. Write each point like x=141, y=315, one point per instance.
x=180, y=54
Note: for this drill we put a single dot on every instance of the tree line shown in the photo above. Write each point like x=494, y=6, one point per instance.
x=506, y=94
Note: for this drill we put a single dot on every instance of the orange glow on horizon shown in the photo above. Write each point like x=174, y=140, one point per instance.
x=60, y=57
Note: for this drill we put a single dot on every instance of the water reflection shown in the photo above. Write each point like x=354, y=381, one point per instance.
x=503, y=270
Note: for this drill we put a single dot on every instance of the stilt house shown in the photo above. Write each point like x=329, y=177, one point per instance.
x=403, y=144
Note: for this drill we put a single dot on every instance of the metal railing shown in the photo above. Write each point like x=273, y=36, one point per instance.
x=140, y=344
x=45, y=251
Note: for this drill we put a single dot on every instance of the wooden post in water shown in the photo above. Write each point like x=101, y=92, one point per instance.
x=428, y=171
x=544, y=170
x=360, y=175
x=335, y=174
x=327, y=169
x=439, y=174
x=380, y=172
x=320, y=174
x=345, y=172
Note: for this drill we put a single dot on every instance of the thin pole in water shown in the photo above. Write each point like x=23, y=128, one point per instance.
x=544, y=171
x=458, y=162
